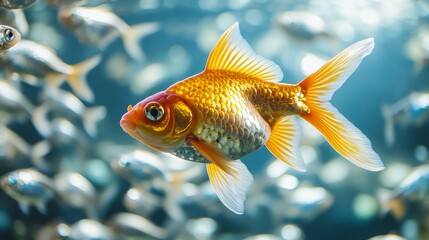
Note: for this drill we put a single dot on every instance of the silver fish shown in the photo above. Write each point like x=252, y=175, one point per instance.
x=28, y=187
x=98, y=26
x=34, y=61
x=413, y=110
x=13, y=101
x=9, y=37
x=14, y=18
x=302, y=25
x=60, y=103
x=76, y=191
x=128, y=225
x=16, y=4
x=91, y=229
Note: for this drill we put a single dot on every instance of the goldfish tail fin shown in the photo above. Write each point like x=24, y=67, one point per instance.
x=132, y=37
x=91, y=117
x=77, y=79
x=341, y=134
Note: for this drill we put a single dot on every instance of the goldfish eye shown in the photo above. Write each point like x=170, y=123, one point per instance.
x=9, y=36
x=154, y=111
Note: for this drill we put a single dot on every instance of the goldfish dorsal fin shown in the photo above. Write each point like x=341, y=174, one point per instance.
x=230, y=178
x=233, y=53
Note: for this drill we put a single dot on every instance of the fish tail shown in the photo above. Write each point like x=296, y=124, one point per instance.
x=132, y=36
x=77, y=79
x=341, y=134
x=91, y=117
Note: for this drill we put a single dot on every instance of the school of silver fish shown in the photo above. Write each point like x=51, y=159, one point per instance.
x=255, y=73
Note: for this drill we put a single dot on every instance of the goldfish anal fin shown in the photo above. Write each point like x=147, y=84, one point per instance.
x=343, y=136
x=233, y=53
x=230, y=178
x=284, y=142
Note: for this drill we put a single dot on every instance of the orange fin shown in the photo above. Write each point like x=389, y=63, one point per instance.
x=233, y=53
x=343, y=136
x=230, y=178
x=284, y=142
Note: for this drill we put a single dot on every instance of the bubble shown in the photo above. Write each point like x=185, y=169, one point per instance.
x=365, y=206
x=288, y=181
x=394, y=174
x=202, y=228
x=291, y=232
x=421, y=153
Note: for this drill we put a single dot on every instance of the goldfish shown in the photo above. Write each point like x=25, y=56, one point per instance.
x=9, y=36
x=237, y=105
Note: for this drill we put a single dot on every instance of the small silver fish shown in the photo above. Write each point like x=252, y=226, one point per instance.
x=34, y=61
x=13, y=101
x=413, y=110
x=60, y=103
x=302, y=24
x=76, y=191
x=140, y=166
x=14, y=18
x=132, y=226
x=28, y=187
x=9, y=37
x=91, y=229
x=16, y=4
x=98, y=26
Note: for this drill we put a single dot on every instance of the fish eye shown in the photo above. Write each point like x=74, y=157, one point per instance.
x=9, y=35
x=124, y=163
x=154, y=111
x=12, y=180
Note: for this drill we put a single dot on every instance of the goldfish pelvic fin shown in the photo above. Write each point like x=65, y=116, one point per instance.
x=343, y=136
x=284, y=142
x=230, y=178
x=132, y=36
x=233, y=53
x=77, y=79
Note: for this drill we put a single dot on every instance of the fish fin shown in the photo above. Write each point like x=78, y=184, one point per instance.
x=38, y=153
x=132, y=37
x=91, y=117
x=40, y=121
x=41, y=206
x=341, y=134
x=230, y=178
x=284, y=142
x=233, y=53
x=389, y=127
x=25, y=207
x=77, y=79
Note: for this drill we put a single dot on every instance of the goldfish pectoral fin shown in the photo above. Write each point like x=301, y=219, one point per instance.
x=231, y=188
x=233, y=53
x=284, y=142
x=341, y=134
x=230, y=178
x=132, y=36
x=77, y=79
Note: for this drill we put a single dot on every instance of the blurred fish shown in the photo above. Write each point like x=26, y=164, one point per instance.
x=91, y=229
x=76, y=191
x=417, y=48
x=60, y=103
x=413, y=189
x=413, y=110
x=14, y=18
x=53, y=231
x=132, y=226
x=16, y=4
x=9, y=37
x=28, y=187
x=34, y=61
x=387, y=237
x=140, y=166
x=59, y=4
x=303, y=25
x=13, y=101
x=98, y=26
x=235, y=106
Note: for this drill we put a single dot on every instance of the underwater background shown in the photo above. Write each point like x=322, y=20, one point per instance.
x=387, y=98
